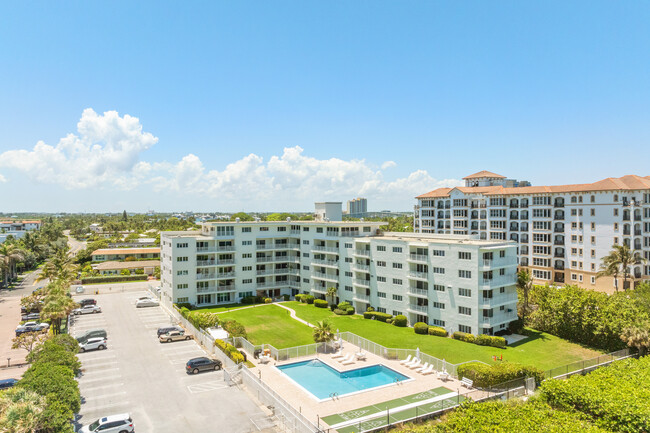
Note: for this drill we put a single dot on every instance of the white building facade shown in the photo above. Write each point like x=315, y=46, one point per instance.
x=455, y=282
x=562, y=232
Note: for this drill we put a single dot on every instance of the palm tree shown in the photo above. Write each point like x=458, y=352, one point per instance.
x=59, y=268
x=524, y=284
x=10, y=254
x=21, y=411
x=331, y=293
x=323, y=332
x=619, y=261
x=57, y=307
x=637, y=337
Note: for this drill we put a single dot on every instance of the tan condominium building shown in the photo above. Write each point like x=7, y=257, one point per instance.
x=562, y=231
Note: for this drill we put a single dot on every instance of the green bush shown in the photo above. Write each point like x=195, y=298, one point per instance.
x=55, y=354
x=114, y=279
x=339, y=312
x=400, y=321
x=421, y=328
x=485, y=376
x=344, y=305
x=320, y=303
x=268, y=300
x=308, y=299
x=350, y=311
x=286, y=297
x=489, y=340
x=185, y=305
x=438, y=331
x=463, y=336
x=298, y=297
x=185, y=312
x=382, y=317
x=230, y=351
x=234, y=328
x=370, y=308
x=390, y=321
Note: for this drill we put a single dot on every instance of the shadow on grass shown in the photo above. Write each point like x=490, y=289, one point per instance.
x=531, y=335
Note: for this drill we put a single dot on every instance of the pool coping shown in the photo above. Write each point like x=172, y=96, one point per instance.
x=321, y=400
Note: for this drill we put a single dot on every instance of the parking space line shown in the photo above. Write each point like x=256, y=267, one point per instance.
x=103, y=407
x=101, y=371
x=205, y=387
x=100, y=379
x=94, y=388
x=100, y=365
x=93, y=358
x=104, y=396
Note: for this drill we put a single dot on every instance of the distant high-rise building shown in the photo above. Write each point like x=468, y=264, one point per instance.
x=357, y=206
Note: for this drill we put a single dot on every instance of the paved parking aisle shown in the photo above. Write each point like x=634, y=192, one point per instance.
x=140, y=375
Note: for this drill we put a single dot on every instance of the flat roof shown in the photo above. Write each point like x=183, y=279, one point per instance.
x=332, y=223
x=126, y=251
x=442, y=238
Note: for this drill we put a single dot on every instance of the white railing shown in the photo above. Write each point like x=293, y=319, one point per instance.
x=499, y=299
x=226, y=288
x=205, y=276
x=226, y=275
x=325, y=262
x=365, y=253
x=278, y=259
x=325, y=249
x=361, y=298
x=360, y=267
x=207, y=289
x=418, y=257
x=416, y=274
x=418, y=308
x=324, y=276
x=418, y=292
x=359, y=282
x=500, y=318
x=206, y=263
x=278, y=271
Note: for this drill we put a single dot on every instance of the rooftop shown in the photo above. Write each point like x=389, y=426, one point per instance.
x=125, y=251
x=441, y=238
x=484, y=173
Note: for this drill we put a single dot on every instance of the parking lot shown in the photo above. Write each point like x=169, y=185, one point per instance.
x=139, y=375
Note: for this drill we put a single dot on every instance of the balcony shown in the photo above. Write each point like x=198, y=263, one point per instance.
x=360, y=267
x=205, y=276
x=360, y=282
x=637, y=232
x=225, y=275
x=524, y=204
x=209, y=289
x=558, y=229
x=206, y=263
x=361, y=298
x=498, y=299
x=226, y=262
x=558, y=254
x=558, y=267
x=500, y=280
x=364, y=253
x=417, y=258
x=272, y=246
x=319, y=289
x=330, y=263
x=412, y=291
x=270, y=259
x=558, y=203
x=281, y=271
x=500, y=318
x=559, y=216
x=324, y=276
x=294, y=232
x=418, y=275
x=325, y=249
x=559, y=278
x=206, y=249
x=226, y=288
x=418, y=308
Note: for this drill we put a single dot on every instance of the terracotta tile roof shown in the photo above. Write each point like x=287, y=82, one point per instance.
x=125, y=251
x=626, y=183
x=484, y=173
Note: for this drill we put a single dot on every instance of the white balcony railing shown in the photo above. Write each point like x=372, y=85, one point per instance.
x=325, y=249
x=205, y=276
x=418, y=308
x=332, y=263
x=365, y=253
x=418, y=292
x=324, y=276
x=361, y=298
x=360, y=282
x=418, y=258
x=360, y=267
x=419, y=275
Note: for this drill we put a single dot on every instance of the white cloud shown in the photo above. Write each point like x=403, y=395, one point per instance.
x=104, y=153
x=2, y=179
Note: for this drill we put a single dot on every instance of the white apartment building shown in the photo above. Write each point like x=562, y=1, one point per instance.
x=17, y=229
x=562, y=231
x=456, y=282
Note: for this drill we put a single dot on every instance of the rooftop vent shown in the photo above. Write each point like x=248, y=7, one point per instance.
x=237, y=220
x=288, y=219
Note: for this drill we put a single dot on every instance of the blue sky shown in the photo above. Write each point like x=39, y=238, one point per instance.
x=273, y=105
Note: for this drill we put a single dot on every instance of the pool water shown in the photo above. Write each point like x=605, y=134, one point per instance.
x=322, y=380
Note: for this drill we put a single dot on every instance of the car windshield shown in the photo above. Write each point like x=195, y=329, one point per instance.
x=94, y=425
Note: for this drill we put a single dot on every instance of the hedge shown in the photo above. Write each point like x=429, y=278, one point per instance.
x=298, y=297
x=249, y=300
x=489, y=340
x=268, y=300
x=382, y=317
x=114, y=279
x=320, y=303
x=230, y=351
x=307, y=299
x=344, y=309
x=421, y=328
x=463, y=336
x=437, y=331
x=400, y=320
x=485, y=376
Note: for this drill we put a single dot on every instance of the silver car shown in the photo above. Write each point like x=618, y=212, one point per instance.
x=146, y=303
x=174, y=336
x=97, y=343
x=87, y=309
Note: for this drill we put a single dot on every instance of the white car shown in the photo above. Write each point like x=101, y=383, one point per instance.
x=121, y=423
x=33, y=325
x=97, y=343
x=147, y=303
x=87, y=309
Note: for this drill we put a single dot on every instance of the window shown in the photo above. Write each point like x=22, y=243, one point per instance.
x=593, y=226
x=183, y=245
x=348, y=260
x=465, y=310
x=305, y=229
x=440, y=253
x=397, y=297
x=282, y=229
x=245, y=229
x=381, y=263
x=592, y=212
x=305, y=280
x=615, y=226
x=464, y=274
x=381, y=248
x=264, y=229
x=182, y=286
x=397, y=249
x=439, y=305
x=381, y=279
x=381, y=294
x=464, y=255
x=397, y=281
x=464, y=328
x=439, y=287
x=465, y=292
x=183, y=299
x=305, y=254
x=305, y=242
x=348, y=245
x=184, y=272
x=246, y=256
x=615, y=212
x=305, y=267
x=349, y=289
x=438, y=270
x=319, y=230
x=502, y=253
x=181, y=259
x=247, y=268
x=593, y=199
x=247, y=281
x=615, y=197
x=438, y=322
x=247, y=242
x=397, y=313
x=397, y=266
x=349, y=274
x=381, y=309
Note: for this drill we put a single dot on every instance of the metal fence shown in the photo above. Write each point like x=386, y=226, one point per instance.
x=588, y=365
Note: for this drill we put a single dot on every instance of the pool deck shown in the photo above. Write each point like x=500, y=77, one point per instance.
x=313, y=409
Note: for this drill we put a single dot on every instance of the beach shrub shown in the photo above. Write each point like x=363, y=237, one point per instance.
x=268, y=300
x=309, y=299
x=485, y=376
x=463, y=336
x=320, y=303
x=421, y=328
x=382, y=317
x=400, y=320
x=438, y=331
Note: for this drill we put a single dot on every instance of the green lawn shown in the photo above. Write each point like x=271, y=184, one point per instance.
x=542, y=350
x=223, y=308
x=272, y=325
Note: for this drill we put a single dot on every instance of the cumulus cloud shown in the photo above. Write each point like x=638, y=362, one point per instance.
x=2, y=179
x=107, y=152
x=104, y=152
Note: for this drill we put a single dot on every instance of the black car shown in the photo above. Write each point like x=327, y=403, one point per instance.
x=195, y=365
x=87, y=301
x=167, y=329
x=7, y=383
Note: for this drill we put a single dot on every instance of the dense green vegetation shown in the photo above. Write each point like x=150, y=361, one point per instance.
x=79, y=225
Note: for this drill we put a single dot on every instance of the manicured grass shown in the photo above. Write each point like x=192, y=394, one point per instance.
x=542, y=350
x=272, y=325
x=223, y=308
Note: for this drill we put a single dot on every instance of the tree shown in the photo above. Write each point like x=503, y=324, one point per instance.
x=21, y=411
x=323, y=332
x=53, y=353
x=10, y=254
x=242, y=217
x=60, y=268
x=524, y=284
x=638, y=338
x=619, y=261
x=28, y=340
x=331, y=293
x=57, y=306
x=56, y=383
x=124, y=217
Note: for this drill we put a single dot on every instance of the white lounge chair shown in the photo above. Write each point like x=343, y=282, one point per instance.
x=443, y=375
x=360, y=356
x=406, y=361
x=429, y=370
x=415, y=364
x=338, y=355
x=424, y=367
x=349, y=361
x=345, y=358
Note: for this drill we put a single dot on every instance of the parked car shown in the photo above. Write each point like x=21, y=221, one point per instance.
x=93, y=333
x=95, y=343
x=8, y=383
x=167, y=329
x=31, y=316
x=87, y=301
x=87, y=309
x=31, y=327
x=121, y=423
x=146, y=303
x=196, y=365
x=174, y=336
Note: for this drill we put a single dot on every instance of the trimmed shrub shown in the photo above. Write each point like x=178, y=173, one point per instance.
x=382, y=317
x=308, y=299
x=268, y=300
x=320, y=303
x=368, y=314
x=370, y=309
x=285, y=297
x=339, y=312
x=114, y=279
x=462, y=336
x=230, y=350
x=400, y=320
x=485, y=375
x=438, y=331
x=344, y=305
x=298, y=297
x=389, y=321
x=248, y=300
x=234, y=328
x=421, y=328
x=350, y=311
x=185, y=305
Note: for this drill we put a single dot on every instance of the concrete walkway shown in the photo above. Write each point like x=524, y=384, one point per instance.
x=293, y=315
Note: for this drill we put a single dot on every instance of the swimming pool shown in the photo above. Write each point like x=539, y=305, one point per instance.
x=321, y=380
